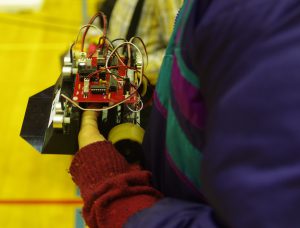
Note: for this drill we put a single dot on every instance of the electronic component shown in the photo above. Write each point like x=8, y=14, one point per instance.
x=130, y=75
x=86, y=87
x=100, y=62
x=102, y=74
x=126, y=86
x=98, y=89
x=113, y=84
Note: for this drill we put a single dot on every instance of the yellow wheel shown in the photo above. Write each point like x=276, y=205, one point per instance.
x=126, y=131
x=127, y=138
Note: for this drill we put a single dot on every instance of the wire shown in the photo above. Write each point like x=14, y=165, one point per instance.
x=104, y=26
x=144, y=46
x=141, y=107
x=119, y=39
x=71, y=51
x=118, y=76
x=96, y=109
x=101, y=69
x=85, y=26
x=99, y=45
x=116, y=48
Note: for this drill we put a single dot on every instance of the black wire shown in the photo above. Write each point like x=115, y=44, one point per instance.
x=71, y=51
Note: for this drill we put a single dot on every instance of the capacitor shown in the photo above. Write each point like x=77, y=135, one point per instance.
x=130, y=75
x=86, y=86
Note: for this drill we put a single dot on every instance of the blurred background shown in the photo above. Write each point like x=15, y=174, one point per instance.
x=35, y=190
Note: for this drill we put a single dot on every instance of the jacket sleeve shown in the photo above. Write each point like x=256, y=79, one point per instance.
x=112, y=190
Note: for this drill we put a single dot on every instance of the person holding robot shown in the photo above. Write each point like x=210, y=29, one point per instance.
x=221, y=149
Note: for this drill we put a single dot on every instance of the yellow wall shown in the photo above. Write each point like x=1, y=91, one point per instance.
x=30, y=47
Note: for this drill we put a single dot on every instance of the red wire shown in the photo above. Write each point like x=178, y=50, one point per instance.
x=100, y=70
x=104, y=26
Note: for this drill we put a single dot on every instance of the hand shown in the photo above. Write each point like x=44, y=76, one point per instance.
x=89, y=132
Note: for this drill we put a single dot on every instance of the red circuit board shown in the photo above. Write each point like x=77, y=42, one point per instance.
x=81, y=94
x=114, y=97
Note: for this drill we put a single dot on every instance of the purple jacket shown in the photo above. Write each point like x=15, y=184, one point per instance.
x=223, y=143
